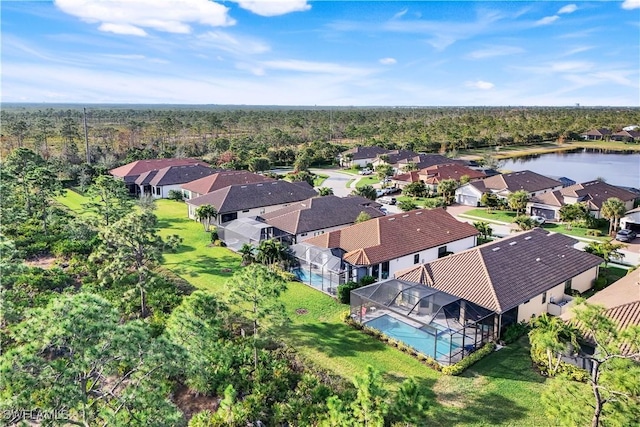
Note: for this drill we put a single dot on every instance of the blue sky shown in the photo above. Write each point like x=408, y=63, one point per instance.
x=298, y=52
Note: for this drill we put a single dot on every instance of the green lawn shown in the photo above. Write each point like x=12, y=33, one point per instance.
x=495, y=215
x=319, y=179
x=348, y=184
x=74, y=201
x=577, y=231
x=500, y=390
x=368, y=180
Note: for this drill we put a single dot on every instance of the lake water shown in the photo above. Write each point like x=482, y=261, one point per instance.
x=616, y=169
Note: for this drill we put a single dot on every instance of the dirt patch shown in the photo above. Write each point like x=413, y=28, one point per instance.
x=45, y=262
x=190, y=404
x=301, y=311
x=455, y=392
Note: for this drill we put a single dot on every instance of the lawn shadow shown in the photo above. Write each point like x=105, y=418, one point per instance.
x=512, y=362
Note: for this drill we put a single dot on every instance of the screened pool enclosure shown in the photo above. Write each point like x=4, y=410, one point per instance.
x=434, y=323
x=318, y=267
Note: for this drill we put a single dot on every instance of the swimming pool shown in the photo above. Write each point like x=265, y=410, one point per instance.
x=313, y=279
x=420, y=340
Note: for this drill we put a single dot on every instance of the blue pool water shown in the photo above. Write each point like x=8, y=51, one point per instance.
x=420, y=340
x=312, y=279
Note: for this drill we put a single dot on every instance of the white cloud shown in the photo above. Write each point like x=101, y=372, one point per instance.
x=132, y=17
x=387, y=61
x=314, y=67
x=571, y=66
x=547, y=20
x=480, y=84
x=401, y=13
x=631, y=4
x=570, y=8
x=494, y=51
x=232, y=44
x=273, y=7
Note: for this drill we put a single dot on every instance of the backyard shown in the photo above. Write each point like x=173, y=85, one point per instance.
x=502, y=389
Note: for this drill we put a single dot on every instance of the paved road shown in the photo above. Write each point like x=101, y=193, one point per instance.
x=337, y=181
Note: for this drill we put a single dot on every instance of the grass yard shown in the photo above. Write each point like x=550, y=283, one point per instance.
x=74, y=201
x=495, y=215
x=502, y=389
x=577, y=231
x=368, y=180
x=319, y=179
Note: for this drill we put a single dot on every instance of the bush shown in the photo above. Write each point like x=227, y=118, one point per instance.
x=344, y=292
x=214, y=235
x=460, y=367
x=595, y=233
x=514, y=331
x=366, y=280
x=600, y=283
x=175, y=195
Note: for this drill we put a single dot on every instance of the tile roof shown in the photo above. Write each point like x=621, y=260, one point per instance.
x=223, y=178
x=241, y=197
x=426, y=160
x=598, y=132
x=361, y=153
x=596, y=192
x=436, y=173
x=132, y=170
x=505, y=273
x=553, y=198
x=394, y=236
x=321, y=212
x=523, y=180
x=397, y=155
x=172, y=175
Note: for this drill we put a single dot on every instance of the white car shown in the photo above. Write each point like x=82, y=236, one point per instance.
x=365, y=172
x=538, y=219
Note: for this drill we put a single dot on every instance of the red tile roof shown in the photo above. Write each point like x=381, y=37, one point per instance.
x=523, y=180
x=137, y=168
x=394, y=236
x=223, y=179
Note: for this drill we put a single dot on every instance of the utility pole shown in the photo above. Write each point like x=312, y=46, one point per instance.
x=86, y=136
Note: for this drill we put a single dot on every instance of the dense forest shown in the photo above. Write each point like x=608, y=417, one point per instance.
x=232, y=136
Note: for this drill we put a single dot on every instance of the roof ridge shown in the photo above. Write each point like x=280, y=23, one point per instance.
x=488, y=277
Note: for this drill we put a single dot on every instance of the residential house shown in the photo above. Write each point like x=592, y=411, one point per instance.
x=158, y=183
x=360, y=156
x=433, y=175
x=382, y=246
x=422, y=161
x=453, y=305
x=251, y=200
x=504, y=184
x=626, y=136
x=592, y=193
x=631, y=220
x=393, y=157
x=221, y=179
x=517, y=277
x=597, y=134
x=131, y=171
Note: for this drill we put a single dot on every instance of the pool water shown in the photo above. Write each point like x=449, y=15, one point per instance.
x=420, y=340
x=314, y=279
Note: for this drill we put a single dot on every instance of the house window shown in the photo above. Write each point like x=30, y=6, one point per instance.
x=375, y=271
x=416, y=258
x=245, y=211
x=442, y=251
x=158, y=191
x=303, y=234
x=567, y=287
x=385, y=270
x=544, y=297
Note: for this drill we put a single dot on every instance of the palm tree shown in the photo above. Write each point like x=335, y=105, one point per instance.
x=448, y=188
x=606, y=250
x=613, y=209
x=518, y=200
x=484, y=228
x=271, y=252
x=552, y=336
x=524, y=222
x=205, y=214
x=248, y=254
x=325, y=191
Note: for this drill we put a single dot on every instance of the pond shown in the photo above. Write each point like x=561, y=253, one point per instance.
x=583, y=165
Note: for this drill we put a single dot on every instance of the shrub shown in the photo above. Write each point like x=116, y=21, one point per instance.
x=600, y=283
x=175, y=195
x=344, y=292
x=214, y=235
x=595, y=233
x=458, y=368
x=366, y=280
x=515, y=331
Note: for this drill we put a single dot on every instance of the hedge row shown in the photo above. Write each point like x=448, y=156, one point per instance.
x=458, y=368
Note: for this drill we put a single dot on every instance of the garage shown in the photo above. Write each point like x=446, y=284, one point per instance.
x=631, y=220
x=548, y=214
x=467, y=200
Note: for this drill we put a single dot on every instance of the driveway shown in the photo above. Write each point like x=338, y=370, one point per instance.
x=337, y=181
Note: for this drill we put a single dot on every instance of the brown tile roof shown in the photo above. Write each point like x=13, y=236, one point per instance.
x=236, y=198
x=553, y=198
x=523, y=180
x=504, y=274
x=396, y=156
x=321, y=212
x=596, y=192
x=436, y=173
x=361, y=153
x=223, y=179
x=598, y=132
x=132, y=170
x=172, y=175
x=412, y=176
x=393, y=236
x=427, y=160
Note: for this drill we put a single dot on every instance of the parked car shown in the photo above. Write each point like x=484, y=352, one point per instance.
x=387, y=200
x=380, y=192
x=626, y=235
x=538, y=219
x=365, y=172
